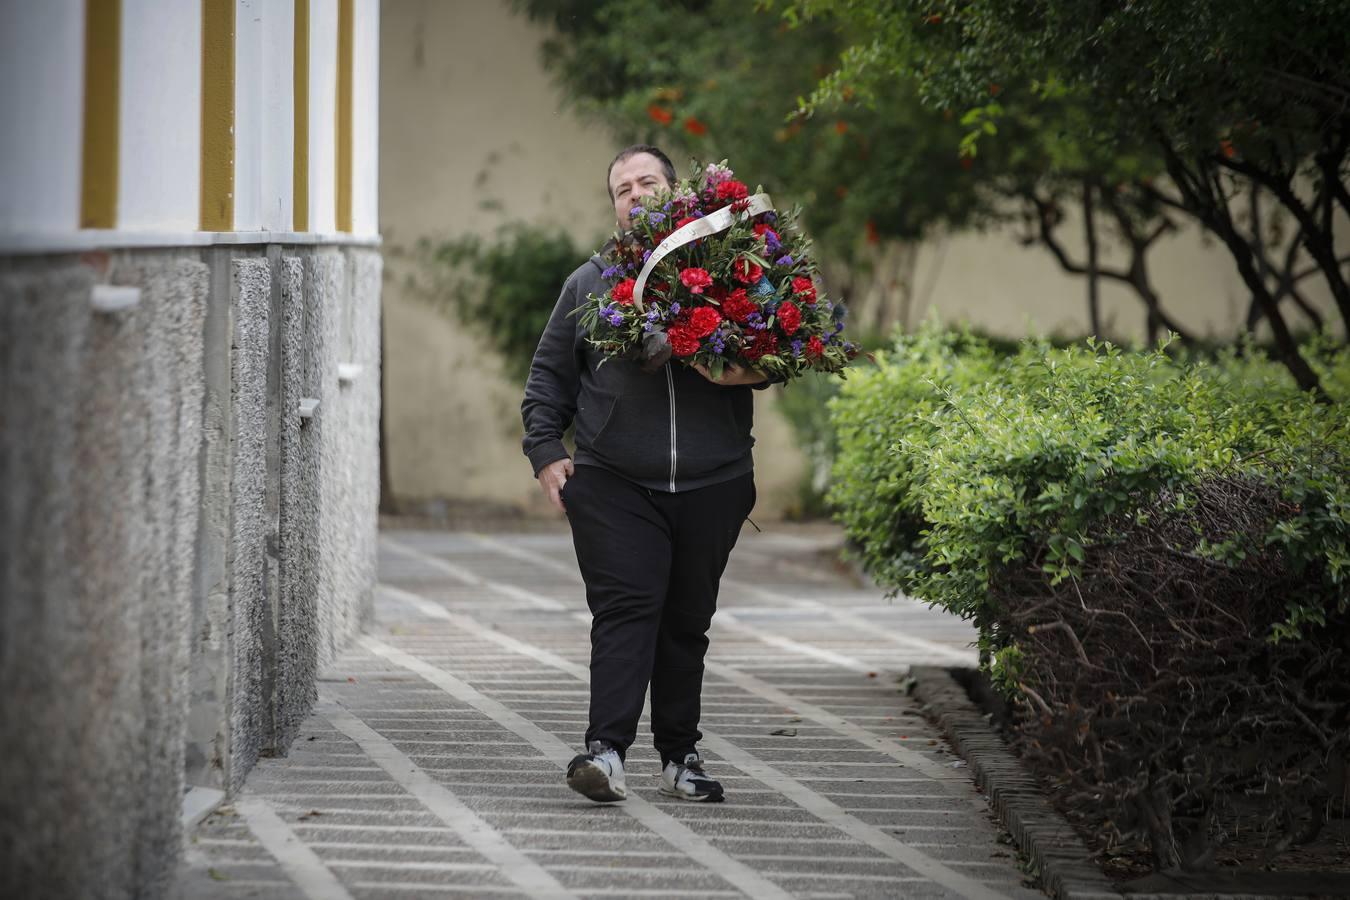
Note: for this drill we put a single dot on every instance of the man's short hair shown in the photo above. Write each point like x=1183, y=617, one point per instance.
x=667, y=167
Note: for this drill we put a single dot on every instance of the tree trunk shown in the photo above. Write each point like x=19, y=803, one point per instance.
x=1093, y=271
x=1259, y=245
x=1285, y=344
x=1316, y=236
x=1212, y=211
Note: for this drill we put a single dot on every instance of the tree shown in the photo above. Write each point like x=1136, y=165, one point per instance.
x=1228, y=96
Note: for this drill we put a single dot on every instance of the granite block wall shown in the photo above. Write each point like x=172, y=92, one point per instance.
x=180, y=551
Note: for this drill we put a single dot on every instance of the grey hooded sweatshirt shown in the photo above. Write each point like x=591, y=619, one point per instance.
x=669, y=430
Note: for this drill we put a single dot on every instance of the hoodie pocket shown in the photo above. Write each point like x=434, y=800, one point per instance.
x=604, y=424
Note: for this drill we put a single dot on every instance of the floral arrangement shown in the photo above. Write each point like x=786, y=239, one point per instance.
x=738, y=289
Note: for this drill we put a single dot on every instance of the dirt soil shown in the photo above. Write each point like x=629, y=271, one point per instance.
x=1244, y=851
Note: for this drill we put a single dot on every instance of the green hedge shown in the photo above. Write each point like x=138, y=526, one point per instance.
x=1156, y=553
x=955, y=461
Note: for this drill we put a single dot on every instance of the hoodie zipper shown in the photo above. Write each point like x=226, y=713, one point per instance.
x=670, y=389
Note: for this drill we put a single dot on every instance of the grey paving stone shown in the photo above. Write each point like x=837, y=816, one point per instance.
x=382, y=839
x=420, y=873
x=587, y=878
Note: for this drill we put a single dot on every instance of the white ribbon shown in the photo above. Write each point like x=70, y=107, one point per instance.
x=692, y=231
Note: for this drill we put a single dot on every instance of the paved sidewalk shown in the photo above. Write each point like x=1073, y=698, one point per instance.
x=433, y=765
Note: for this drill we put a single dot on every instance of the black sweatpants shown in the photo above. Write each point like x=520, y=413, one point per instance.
x=651, y=562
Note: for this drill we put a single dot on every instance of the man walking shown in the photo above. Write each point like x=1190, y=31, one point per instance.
x=656, y=495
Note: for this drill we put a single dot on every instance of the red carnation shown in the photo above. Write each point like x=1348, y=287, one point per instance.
x=696, y=280
x=763, y=345
x=704, y=321
x=682, y=342
x=623, y=291
x=732, y=190
x=737, y=307
x=762, y=228
x=804, y=288
x=789, y=317
x=815, y=348
x=685, y=221
x=745, y=271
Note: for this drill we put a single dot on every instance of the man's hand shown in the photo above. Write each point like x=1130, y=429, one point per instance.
x=552, y=477
x=733, y=375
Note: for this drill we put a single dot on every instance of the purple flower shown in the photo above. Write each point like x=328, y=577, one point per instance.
x=635, y=212
x=612, y=315
x=656, y=218
x=771, y=242
x=796, y=348
x=674, y=309
x=771, y=217
x=646, y=255
x=783, y=260
x=611, y=272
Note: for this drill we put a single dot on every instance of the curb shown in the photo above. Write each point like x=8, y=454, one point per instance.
x=1041, y=833
x=198, y=803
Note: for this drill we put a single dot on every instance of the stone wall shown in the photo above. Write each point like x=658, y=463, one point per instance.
x=179, y=550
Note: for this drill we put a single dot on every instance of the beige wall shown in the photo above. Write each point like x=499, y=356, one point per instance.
x=993, y=281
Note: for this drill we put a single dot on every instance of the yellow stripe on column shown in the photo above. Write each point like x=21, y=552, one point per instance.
x=300, y=158
x=99, y=142
x=217, y=171
x=344, y=116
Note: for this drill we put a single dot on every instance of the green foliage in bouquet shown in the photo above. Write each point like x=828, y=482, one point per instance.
x=745, y=294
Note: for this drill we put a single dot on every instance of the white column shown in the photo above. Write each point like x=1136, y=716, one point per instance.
x=264, y=128
x=41, y=108
x=366, y=119
x=159, y=180
x=323, y=34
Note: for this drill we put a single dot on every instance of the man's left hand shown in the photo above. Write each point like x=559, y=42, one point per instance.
x=733, y=375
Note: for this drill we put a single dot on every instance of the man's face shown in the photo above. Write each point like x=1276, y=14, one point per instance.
x=632, y=179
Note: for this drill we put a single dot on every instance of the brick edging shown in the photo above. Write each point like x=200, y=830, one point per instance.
x=1041, y=833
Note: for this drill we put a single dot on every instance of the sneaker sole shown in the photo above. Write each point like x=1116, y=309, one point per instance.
x=693, y=798
x=591, y=782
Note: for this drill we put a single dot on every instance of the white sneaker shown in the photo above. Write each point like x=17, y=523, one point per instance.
x=688, y=781
x=598, y=774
